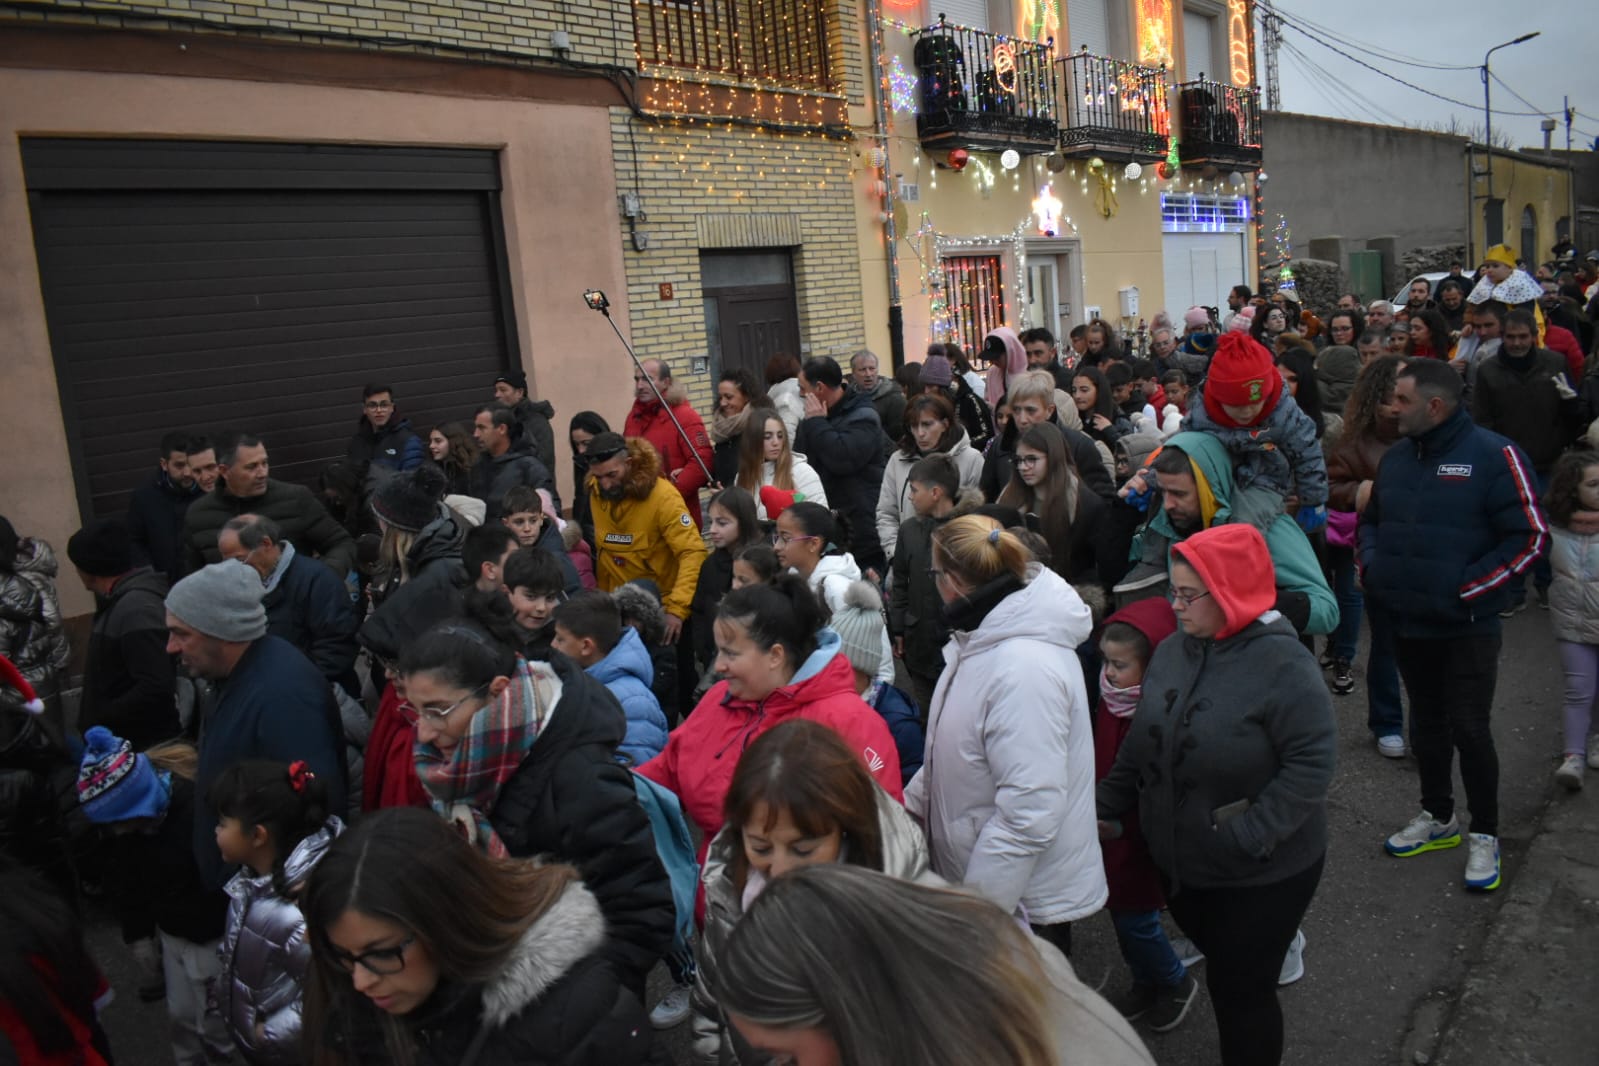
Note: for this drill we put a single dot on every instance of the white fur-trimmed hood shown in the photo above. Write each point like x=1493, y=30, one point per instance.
x=572, y=929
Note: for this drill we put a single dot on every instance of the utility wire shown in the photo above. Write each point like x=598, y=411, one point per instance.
x=1409, y=85
x=1330, y=86
x=1392, y=57
x=1506, y=87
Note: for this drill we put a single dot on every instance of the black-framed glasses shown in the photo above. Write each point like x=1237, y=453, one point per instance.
x=378, y=405
x=380, y=962
x=1187, y=599
x=439, y=716
x=1029, y=460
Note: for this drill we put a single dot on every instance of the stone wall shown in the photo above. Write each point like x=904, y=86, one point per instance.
x=1318, y=284
x=1430, y=259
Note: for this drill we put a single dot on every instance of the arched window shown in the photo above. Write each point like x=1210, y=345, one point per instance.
x=1529, y=237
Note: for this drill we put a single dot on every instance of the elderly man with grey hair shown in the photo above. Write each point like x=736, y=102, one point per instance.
x=306, y=604
x=888, y=399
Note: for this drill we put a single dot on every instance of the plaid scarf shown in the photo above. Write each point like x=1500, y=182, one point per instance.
x=462, y=784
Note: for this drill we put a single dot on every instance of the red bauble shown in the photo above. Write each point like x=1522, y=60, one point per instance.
x=1164, y=170
x=957, y=159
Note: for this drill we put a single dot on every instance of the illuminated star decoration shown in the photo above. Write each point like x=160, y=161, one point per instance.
x=901, y=86
x=1047, y=210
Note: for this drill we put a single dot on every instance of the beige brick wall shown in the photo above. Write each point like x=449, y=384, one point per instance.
x=600, y=31
x=736, y=172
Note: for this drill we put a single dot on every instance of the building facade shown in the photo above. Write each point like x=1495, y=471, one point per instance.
x=1034, y=164
x=233, y=214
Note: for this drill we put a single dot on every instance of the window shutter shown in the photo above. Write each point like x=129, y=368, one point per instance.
x=1087, y=23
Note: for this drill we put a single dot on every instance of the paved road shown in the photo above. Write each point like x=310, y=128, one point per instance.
x=1392, y=943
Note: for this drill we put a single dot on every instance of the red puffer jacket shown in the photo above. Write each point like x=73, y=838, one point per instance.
x=700, y=756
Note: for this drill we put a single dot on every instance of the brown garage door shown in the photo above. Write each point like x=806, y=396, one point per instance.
x=212, y=286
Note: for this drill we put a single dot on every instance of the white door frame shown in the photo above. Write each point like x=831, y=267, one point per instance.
x=1069, y=283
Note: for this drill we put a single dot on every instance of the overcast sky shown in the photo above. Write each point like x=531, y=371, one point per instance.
x=1544, y=69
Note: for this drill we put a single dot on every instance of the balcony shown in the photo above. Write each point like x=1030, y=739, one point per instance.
x=1220, y=125
x=1111, y=107
x=780, y=43
x=983, y=91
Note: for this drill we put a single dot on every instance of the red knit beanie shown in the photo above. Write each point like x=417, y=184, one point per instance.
x=1241, y=373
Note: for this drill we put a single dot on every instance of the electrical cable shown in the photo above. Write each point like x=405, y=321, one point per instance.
x=1392, y=57
x=1409, y=85
x=1506, y=87
x=1331, y=82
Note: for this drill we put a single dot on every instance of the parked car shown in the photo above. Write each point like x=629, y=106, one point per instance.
x=1431, y=279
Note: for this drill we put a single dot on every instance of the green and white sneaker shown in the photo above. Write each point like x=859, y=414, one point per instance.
x=1424, y=833
x=1482, y=863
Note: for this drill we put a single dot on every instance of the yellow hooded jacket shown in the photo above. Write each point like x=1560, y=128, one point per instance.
x=647, y=533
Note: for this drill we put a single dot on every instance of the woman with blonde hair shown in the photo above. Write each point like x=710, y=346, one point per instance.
x=767, y=459
x=839, y=964
x=1006, y=789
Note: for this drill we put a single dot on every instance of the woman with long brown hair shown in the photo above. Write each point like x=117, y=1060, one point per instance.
x=452, y=448
x=1046, y=488
x=800, y=796
x=766, y=457
x=837, y=964
x=426, y=950
x=738, y=395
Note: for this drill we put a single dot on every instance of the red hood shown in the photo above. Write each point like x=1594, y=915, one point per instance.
x=835, y=679
x=1235, y=566
x=1152, y=617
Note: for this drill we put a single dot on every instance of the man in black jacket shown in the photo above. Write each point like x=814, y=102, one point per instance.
x=507, y=460
x=383, y=440
x=1521, y=393
x=534, y=416
x=842, y=439
x=128, y=678
x=306, y=604
x=156, y=509
x=1042, y=354
x=245, y=487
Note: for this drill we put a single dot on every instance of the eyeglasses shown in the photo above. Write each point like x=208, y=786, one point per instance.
x=439, y=716
x=1029, y=460
x=378, y=405
x=786, y=539
x=1187, y=599
x=380, y=962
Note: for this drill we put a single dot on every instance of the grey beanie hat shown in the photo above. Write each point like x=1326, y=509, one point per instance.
x=222, y=600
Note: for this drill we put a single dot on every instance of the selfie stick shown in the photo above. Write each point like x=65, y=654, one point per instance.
x=597, y=302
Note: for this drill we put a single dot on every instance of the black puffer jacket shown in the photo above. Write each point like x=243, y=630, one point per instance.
x=393, y=448
x=845, y=446
x=535, y=417
x=496, y=475
x=434, y=592
x=297, y=511
x=570, y=800
x=716, y=578
x=556, y=1002
x=129, y=677
x=155, y=523
x=36, y=791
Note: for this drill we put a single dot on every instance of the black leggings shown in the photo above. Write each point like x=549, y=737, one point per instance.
x=1244, y=933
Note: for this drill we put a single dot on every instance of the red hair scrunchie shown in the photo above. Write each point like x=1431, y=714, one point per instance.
x=299, y=774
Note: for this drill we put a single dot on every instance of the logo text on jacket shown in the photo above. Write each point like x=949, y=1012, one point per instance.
x=1454, y=471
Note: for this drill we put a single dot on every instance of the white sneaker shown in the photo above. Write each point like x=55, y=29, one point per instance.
x=1570, y=772
x=1424, y=833
x=1391, y=746
x=1187, y=951
x=1482, y=863
x=1293, y=962
x=671, y=1011
x=1593, y=752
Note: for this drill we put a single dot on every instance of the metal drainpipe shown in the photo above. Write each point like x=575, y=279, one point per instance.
x=896, y=314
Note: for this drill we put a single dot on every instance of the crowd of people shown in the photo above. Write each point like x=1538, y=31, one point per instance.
x=420, y=765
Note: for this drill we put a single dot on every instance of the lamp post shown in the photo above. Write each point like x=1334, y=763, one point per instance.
x=1488, y=129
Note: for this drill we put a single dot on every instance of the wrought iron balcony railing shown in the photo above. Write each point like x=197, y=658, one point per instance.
x=984, y=91
x=1220, y=125
x=1113, y=107
x=782, y=42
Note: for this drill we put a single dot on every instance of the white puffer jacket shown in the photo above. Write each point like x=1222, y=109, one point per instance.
x=1006, y=791
x=807, y=482
x=265, y=957
x=1574, y=595
x=894, y=498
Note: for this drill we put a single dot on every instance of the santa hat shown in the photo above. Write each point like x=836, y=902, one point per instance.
x=10, y=675
x=777, y=500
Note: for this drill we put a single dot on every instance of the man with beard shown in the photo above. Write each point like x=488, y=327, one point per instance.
x=157, y=509
x=642, y=528
x=1452, y=303
x=1039, y=343
x=1195, y=477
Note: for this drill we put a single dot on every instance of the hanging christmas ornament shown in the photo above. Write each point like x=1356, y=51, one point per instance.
x=1235, y=179
x=1260, y=179
x=1056, y=162
x=877, y=158
x=957, y=159
x=1165, y=170
x=1208, y=171
x=1133, y=172
x=1010, y=159
x=1096, y=164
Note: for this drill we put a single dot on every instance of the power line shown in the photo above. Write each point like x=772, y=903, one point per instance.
x=1328, y=81
x=1391, y=57
x=1506, y=87
x=1409, y=85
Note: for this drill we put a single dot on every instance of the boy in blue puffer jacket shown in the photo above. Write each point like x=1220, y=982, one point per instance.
x=589, y=631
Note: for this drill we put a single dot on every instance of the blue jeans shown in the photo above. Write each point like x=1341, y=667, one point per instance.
x=1346, y=638
x=1385, y=709
x=1146, y=949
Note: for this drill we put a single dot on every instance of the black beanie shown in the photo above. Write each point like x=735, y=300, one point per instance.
x=101, y=548
x=514, y=378
x=409, y=501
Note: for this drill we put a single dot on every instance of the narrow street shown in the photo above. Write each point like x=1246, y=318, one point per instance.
x=1392, y=944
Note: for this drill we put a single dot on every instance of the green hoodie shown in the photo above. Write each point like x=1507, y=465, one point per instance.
x=1291, y=554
